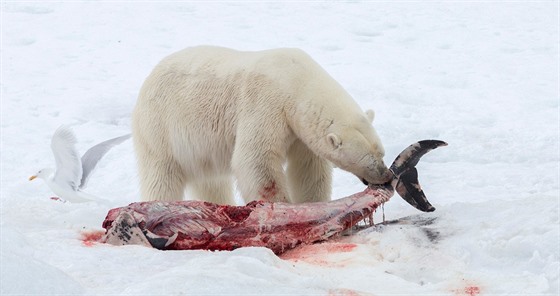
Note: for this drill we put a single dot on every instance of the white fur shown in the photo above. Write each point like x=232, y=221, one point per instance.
x=206, y=114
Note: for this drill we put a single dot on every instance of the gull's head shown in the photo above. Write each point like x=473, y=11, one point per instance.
x=42, y=174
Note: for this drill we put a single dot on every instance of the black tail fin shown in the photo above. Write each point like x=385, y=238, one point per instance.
x=406, y=176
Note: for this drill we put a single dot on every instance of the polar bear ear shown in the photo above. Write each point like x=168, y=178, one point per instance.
x=334, y=140
x=370, y=115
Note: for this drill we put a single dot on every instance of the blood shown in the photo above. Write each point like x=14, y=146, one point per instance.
x=468, y=287
x=236, y=214
x=319, y=254
x=340, y=247
x=472, y=290
x=269, y=192
x=89, y=238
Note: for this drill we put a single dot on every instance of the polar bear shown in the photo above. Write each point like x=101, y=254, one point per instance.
x=208, y=114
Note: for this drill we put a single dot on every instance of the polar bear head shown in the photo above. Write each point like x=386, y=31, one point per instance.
x=355, y=147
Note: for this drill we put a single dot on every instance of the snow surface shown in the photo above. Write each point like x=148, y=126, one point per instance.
x=483, y=76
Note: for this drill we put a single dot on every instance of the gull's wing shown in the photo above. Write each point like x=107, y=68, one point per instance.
x=94, y=154
x=68, y=164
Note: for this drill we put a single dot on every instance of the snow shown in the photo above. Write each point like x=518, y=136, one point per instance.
x=483, y=76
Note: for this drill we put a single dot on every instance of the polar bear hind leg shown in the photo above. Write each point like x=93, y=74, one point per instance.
x=161, y=178
x=309, y=176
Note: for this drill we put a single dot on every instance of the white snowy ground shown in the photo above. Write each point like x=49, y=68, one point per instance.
x=483, y=76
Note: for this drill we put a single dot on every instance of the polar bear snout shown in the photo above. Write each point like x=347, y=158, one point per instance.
x=387, y=175
x=378, y=175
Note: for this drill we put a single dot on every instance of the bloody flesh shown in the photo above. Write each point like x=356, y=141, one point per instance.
x=187, y=225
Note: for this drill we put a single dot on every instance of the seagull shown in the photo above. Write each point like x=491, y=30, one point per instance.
x=72, y=173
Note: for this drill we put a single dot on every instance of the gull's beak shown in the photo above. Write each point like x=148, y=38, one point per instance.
x=32, y=177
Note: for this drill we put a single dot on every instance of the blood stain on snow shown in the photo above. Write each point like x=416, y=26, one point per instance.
x=319, y=254
x=340, y=247
x=472, y=290
x=469, y=290
x=89, y=238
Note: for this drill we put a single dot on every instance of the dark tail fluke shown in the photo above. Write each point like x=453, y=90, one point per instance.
x=406, y=175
